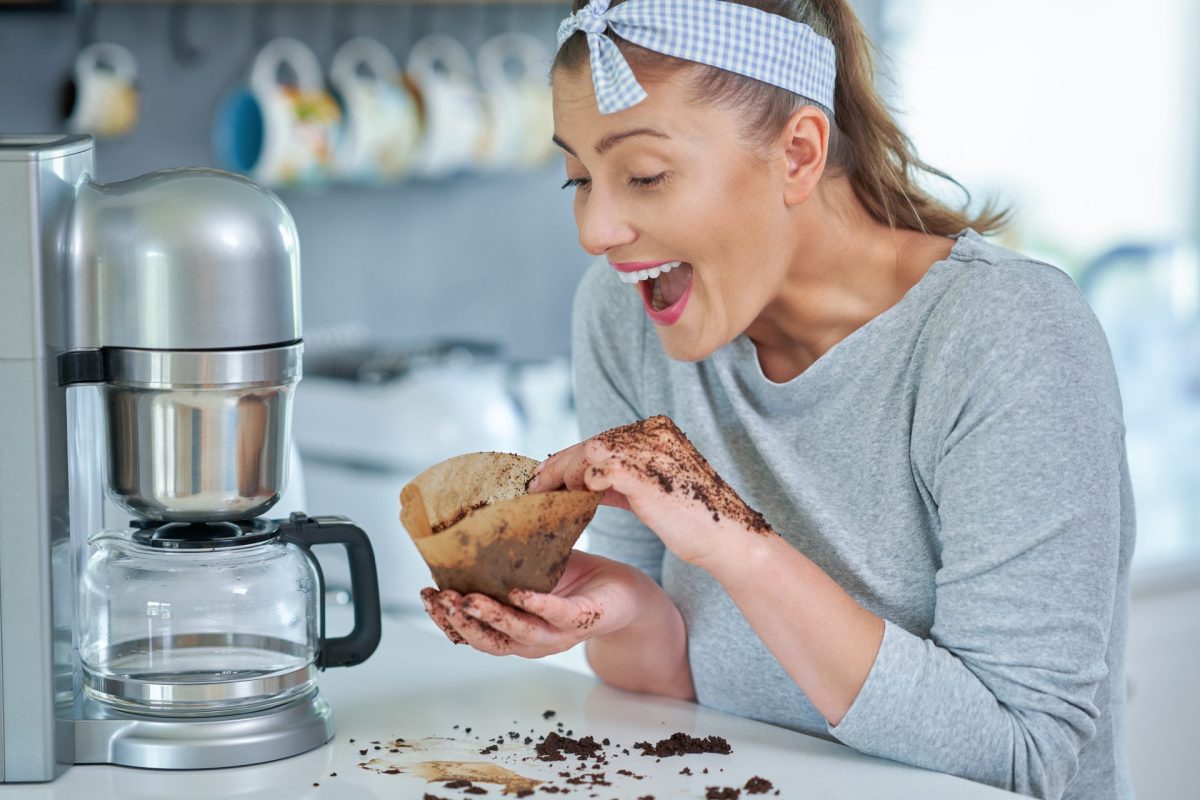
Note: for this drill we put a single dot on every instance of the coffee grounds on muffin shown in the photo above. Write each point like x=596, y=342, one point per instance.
x=680, y=743
x=757, y=785
x=677, y=466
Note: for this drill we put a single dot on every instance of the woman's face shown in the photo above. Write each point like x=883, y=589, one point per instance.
x=673, y=182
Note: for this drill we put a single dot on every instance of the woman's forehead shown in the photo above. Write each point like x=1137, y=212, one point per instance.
x=669, y=108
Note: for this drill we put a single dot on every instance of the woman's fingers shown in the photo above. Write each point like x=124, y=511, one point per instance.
x=565, y=468
x=551, y=473
x=475, y=633
x=527, y=631
x=429, y=596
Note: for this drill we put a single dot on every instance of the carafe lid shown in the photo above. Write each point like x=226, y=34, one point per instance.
x=204, y=535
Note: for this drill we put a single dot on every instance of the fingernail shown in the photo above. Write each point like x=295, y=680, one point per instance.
x=533, y=482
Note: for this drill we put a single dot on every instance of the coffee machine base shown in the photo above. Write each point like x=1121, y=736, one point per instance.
x=106, y=736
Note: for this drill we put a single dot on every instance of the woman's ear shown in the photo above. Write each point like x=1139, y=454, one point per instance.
x=804, y=146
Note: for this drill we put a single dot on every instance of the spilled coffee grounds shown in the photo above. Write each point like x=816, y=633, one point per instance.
x=680, y=743
x=757, y=785
x=556, y=748
x=722, y=793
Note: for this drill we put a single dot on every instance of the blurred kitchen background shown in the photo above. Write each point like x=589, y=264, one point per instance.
x=437, y=293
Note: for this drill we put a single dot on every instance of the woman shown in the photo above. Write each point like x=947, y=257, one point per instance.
x=928, y=423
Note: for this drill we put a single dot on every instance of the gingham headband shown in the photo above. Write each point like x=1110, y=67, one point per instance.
x=729, y=36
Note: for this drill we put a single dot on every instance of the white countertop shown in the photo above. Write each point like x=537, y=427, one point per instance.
x=418, y=686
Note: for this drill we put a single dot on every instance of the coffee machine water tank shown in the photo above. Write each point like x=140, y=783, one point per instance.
x=189, y=281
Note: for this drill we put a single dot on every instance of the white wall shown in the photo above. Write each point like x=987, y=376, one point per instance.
x=1082, y=112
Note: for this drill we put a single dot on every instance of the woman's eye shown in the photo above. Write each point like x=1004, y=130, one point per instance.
x=575, y=182
x=647, y=181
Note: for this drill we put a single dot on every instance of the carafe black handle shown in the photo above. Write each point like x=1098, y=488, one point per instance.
x=360, y=643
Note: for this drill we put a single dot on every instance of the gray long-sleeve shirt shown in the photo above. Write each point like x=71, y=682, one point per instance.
x=958, y=466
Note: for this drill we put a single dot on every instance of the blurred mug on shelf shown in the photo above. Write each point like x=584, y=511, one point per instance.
x=101, y=98
x=381, y=119
x=514, y=70
x=442, y=76
x=278, y=133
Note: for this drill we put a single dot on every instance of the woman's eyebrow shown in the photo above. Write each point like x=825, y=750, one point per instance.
x=608, y=142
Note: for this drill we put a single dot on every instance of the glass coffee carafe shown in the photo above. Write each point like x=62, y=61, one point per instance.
x=198, y=619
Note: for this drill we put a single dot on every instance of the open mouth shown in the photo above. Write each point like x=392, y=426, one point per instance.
x=664, y=288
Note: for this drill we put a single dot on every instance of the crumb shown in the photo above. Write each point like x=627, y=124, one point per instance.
x=548, y=714
x=722, y=793
x=556, y=748
x=680, y=743
x=757, y=785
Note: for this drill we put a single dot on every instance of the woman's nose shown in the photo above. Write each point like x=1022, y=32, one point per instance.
x=602, y=226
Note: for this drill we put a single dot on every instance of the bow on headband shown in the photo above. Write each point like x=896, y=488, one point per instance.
x=729, y=36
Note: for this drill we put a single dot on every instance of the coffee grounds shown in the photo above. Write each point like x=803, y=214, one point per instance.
x=458, y=517
x=590, y=779
x=457, y=784
x=681, y=744
x=757, y=785
x=657, y=449
x=722, y=793
x=556, y=748
x=429, y=796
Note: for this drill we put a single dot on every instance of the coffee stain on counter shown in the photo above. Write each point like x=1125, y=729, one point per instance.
x=476, y=772
x=406, y=757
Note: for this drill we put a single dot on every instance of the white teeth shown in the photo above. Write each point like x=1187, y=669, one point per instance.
x=648, y=274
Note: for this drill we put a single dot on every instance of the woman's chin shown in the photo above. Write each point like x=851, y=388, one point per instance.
x=681, y=346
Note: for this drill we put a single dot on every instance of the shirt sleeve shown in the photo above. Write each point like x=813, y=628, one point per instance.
x=1027, y=474
x=608, y=338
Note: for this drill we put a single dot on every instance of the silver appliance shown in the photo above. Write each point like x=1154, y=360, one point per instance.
x=150, y=343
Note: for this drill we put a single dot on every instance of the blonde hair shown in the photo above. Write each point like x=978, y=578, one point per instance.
x=867, y=146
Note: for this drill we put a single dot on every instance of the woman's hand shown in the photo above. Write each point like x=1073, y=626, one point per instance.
x=651, y=469
x=594, y=597
x=635, y=636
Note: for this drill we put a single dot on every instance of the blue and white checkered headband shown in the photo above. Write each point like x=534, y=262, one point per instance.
x=729, y=36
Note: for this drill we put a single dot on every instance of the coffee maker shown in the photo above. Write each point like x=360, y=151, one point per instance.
x=150, y=343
